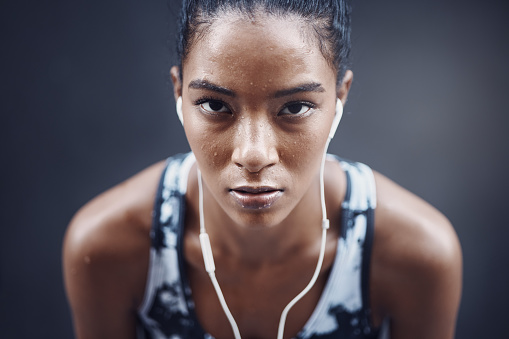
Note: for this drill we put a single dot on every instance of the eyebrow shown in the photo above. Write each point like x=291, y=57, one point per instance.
x=310, y=87
x=204, y=84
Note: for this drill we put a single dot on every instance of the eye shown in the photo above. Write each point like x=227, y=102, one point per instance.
x=296, y=109
x=214, y=106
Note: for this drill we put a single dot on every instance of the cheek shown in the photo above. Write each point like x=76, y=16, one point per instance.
x=302, y=152
x=211, y=147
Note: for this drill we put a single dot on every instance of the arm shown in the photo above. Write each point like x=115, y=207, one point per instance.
x=105, y=258
x=416, y=266
x=99, y=282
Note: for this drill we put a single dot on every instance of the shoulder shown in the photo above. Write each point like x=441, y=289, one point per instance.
x=113, y=226
x=106, y=248
x=416, y=262
x=405, y=223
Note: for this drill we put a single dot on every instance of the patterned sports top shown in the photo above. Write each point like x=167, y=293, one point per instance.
x=343, y=309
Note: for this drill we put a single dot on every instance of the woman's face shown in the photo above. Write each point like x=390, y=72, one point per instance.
x=258, y=102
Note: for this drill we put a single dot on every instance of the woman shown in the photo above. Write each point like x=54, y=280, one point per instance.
x=302, y=246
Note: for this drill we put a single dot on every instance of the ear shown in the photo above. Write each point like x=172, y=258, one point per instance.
x=177, y=84
x=344, y=88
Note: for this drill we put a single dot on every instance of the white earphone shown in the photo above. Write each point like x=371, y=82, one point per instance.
x=179, y=110
x=337, y=119
x=206, y=248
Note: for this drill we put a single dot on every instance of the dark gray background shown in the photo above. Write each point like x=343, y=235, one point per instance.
x=86, y=102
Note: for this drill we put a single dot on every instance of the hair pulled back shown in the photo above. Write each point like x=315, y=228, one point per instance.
x=329, y=19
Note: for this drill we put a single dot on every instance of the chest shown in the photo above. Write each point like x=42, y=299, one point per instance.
x=256, y=300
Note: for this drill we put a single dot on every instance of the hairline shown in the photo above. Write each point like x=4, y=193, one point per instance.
x=309, y=31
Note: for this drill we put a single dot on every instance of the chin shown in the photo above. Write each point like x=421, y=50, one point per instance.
x=258, y=218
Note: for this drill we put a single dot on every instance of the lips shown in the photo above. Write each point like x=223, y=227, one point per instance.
x=256, y=197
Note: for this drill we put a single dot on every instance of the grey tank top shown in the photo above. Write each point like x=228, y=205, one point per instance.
x=343, y=309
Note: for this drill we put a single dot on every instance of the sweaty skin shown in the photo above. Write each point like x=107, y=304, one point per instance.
x=258, y=103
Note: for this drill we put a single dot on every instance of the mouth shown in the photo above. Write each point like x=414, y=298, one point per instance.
x=256, y=197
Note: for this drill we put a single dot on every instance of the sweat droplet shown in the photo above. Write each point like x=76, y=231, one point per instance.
x=215, y=154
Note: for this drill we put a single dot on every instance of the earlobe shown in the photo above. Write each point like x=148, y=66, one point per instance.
x=344, y=88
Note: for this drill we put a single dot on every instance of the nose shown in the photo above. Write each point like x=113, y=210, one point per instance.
x=255, y=146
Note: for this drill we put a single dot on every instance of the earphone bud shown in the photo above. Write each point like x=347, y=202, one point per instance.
x=337, y=118
x=179, y=110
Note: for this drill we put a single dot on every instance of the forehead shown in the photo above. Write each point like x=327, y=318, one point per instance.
x=260, y=50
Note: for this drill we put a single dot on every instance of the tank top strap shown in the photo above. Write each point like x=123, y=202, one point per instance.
x=361, y=190
x=358, y=211
x=343, y=309
x=164, y=311
x=169, y=200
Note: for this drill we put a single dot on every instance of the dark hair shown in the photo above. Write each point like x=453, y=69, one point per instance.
x=330, y=20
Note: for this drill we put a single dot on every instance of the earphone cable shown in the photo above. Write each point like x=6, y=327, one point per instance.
x=226, y=310
x=325, y=226
x=209, y=262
